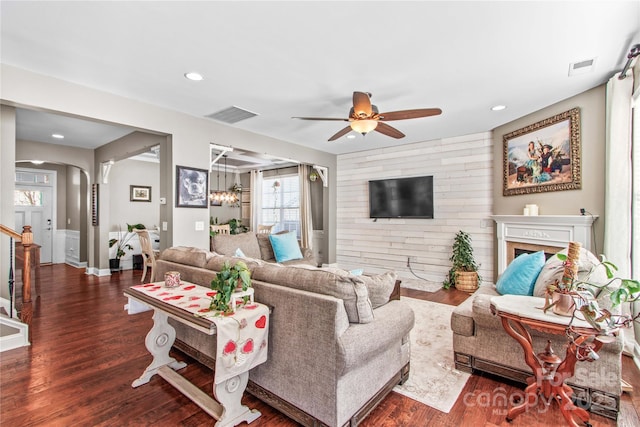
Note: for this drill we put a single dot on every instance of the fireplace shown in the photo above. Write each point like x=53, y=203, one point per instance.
x=549, y=233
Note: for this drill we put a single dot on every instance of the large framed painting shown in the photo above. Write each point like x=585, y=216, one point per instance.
x=192, y=187
x=544, y=156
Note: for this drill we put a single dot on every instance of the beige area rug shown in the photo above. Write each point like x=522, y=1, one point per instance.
x=433, y=379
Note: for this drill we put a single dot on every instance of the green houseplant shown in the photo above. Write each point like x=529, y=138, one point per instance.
x=585, y=295
x=236, y=227
x=122, y=245
x=464, y=271
x=228, y=280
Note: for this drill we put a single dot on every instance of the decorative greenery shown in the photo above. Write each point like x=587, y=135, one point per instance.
x=462, y=259
x=122, y=245
x=226, y=282
x=584, y=291
x=236, y=227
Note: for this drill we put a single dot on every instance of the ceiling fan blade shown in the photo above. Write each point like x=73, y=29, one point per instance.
x=341, y=133
x=322, y=118
x=362, y=104
x=385, y=129
x=410, y=114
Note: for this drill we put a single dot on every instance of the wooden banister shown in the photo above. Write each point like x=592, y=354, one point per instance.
x=26, y=313
x=10, y=232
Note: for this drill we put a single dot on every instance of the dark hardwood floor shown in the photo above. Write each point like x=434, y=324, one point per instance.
x=86, y=352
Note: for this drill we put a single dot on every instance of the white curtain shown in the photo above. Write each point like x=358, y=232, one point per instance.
x=256, y=199
x=618, y=177
x=617, y=226
x=306, y=222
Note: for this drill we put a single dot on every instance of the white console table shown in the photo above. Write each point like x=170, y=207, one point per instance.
x=226, y=408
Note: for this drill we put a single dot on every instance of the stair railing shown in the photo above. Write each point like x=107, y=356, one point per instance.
x=26, y=312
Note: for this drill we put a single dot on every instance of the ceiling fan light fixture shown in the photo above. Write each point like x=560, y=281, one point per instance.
x=364, y=126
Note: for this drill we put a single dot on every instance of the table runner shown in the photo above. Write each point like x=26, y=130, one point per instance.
x=242, y=337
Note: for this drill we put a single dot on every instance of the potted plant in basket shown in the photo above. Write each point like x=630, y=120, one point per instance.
x=464, y=271
x=229, y=280
x=122, y=245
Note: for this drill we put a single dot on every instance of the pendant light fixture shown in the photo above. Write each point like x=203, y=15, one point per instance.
x=224, y=195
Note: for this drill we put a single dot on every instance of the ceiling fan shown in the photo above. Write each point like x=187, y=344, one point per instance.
x=364, y=117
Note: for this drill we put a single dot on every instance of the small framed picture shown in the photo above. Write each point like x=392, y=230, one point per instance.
x=192, y=187
x=139, y=193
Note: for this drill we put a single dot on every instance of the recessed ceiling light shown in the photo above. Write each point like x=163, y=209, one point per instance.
x=57, y=136
x=351, y=136
x=196, y=77
x=498, y=107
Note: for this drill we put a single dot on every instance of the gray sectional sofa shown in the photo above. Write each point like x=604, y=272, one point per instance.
x=337, y=343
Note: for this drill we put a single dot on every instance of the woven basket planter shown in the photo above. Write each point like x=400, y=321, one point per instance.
x=467, y=281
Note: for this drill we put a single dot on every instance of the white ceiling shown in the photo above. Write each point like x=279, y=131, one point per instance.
x=284, y=59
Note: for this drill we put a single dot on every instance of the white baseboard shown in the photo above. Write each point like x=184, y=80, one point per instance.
x=76, y=264
x=93, y=271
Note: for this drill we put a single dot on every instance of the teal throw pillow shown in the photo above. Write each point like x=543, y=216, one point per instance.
x=520, y=276
x=285, y=246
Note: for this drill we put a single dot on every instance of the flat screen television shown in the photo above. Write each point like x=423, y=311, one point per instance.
x=401, y=197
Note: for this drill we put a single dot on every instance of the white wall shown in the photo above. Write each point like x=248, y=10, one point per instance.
x=462, y=168
x=122, y=211
x=190, y=137
x=592, y=154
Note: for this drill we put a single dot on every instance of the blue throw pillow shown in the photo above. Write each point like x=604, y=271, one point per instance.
x=520, y=276
x=285, y=246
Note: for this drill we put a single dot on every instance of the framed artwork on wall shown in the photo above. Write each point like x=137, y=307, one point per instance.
x=192, y=187
x=544, y=156
x=139, y=193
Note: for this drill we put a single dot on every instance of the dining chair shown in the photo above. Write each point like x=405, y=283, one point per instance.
x=264, y=229
x=221, y=229
x=148, y=254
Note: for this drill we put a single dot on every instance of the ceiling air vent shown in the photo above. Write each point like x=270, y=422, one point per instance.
x=232, y=115
x=581, y=67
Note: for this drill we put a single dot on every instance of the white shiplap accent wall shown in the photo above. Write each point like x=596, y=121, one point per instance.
x=462, y=180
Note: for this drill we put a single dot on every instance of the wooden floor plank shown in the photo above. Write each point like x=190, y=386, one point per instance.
x=86, y=352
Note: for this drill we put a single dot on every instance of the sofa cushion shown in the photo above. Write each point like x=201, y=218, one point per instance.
x=554, y=268
x=351, y=291
x=228, y=244
x=520, y=276
x=266, y=250
x=285, y=246
x=186, y=255
x=379, y=286
x=216, y=262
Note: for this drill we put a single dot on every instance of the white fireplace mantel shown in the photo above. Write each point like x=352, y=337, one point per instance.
x=543, y=230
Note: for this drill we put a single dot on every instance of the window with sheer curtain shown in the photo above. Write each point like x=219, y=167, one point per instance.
x=281, y=203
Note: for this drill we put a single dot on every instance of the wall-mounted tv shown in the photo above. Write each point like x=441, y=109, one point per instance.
x=401, y=197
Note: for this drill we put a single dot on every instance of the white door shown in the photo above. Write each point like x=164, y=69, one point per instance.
x=34, y=207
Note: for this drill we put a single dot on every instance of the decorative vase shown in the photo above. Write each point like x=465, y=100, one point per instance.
x=564, y=304
x=171, y=279
x=467, y=281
